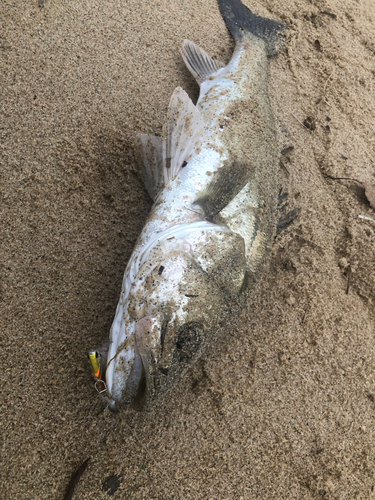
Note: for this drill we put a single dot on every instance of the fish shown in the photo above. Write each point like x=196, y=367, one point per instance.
x=213, y=177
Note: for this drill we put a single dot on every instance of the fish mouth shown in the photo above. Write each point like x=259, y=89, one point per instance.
x=128, y=377
x=133, y=392
x=136, y=384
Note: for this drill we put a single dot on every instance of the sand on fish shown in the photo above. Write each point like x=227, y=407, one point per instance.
x=283, y=406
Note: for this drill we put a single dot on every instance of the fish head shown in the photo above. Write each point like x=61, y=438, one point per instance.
x=128, y=377
x=145, y=332
x=180, y=293
x=148, y=364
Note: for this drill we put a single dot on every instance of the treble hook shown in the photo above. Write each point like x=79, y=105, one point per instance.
x=97, y=388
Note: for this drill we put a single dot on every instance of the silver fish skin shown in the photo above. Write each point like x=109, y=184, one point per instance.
x=213, y=178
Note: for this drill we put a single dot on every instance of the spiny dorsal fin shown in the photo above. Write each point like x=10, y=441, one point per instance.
x=200, y=64
x=183, y=133
x=150, y=150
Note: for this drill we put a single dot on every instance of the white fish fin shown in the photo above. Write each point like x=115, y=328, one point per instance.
x=150, y=151
x=183, y=132
x=200, y=64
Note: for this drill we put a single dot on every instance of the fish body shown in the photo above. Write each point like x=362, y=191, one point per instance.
x=213, y=178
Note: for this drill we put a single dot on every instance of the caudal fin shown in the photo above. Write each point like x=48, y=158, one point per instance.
x=238, y=18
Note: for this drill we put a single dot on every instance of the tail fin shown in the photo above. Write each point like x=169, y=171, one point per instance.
x=239, y=18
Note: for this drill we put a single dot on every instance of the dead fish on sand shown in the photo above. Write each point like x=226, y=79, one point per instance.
x=213, y=178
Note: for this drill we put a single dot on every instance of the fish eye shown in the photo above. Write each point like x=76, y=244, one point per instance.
x=96, y=354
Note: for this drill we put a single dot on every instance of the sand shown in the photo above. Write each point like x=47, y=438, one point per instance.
x=282, y=407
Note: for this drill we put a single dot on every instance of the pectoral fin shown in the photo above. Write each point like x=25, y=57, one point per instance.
x=227, y=182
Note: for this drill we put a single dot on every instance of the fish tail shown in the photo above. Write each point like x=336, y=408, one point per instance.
x=239, y=19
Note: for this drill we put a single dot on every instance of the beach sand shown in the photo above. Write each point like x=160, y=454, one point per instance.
x=283, y=405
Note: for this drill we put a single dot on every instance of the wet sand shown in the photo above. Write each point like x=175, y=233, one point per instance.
x=283, y=406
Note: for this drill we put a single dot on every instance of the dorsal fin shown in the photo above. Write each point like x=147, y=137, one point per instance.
x=200, y=64
x=183, y=133
x=150, y=151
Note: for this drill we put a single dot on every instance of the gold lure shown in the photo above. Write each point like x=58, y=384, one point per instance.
x=95, y=361
x=98, y=360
